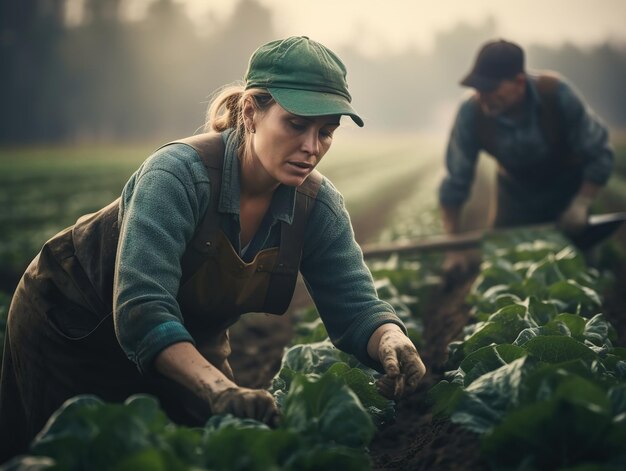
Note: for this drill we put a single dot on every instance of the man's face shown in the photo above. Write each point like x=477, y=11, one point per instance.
x=504, y=98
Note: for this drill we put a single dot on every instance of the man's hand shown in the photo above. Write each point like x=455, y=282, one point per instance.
x=255, y=404
x=574, y=219
x=456, y=265
x=403, y=366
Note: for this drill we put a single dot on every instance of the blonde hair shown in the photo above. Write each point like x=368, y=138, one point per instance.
x=226, y=111
x=226, y=108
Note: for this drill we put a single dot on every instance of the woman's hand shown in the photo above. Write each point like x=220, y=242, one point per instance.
x=403, y=366
x=255, y=404
x=183, y=363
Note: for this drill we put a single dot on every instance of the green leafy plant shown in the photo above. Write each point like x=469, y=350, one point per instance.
x=537, y=375
x=323, y=359
x=323, y=425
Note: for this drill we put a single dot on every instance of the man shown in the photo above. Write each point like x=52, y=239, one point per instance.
x=553, y=153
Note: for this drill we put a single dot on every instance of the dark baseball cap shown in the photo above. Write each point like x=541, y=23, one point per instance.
x=496, y=61
x=303, y=76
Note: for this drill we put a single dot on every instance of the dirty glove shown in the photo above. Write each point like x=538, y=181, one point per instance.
x=255, y=404
x=403, y=365
x=574, y=219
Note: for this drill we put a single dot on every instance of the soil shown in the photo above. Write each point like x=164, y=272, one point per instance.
x=416, y=440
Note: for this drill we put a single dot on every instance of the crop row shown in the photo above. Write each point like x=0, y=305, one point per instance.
x=537, y=375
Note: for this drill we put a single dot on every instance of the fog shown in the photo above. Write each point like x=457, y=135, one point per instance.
x=96, y=70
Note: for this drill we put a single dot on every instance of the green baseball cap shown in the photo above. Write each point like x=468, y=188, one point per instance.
x=303, y=76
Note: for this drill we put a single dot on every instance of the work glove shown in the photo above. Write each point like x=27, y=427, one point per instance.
x=403, y=366
x=574, y=219
x=255, y=404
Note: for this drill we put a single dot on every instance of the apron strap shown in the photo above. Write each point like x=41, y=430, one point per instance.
x=210, y=147
x=285, y=272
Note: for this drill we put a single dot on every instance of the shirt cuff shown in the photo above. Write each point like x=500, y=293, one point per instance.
x=159, y=338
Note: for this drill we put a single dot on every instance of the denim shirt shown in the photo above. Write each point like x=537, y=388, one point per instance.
x=164, y=202
x=586, y=137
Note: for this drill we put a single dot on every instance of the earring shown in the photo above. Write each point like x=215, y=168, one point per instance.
x=252, y=130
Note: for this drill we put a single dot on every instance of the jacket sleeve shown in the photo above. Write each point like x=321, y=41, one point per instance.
x=461, y=157
x=587, y=136
x=338, y=280
x=159, y=213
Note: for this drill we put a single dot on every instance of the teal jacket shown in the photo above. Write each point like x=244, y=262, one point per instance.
x=161, y=206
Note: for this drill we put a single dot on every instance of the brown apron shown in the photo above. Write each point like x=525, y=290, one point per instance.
x=60, y=338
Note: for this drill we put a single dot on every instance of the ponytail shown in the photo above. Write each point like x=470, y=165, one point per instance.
x=225, y=110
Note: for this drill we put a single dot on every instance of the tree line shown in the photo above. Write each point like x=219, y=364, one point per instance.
x=108, y=78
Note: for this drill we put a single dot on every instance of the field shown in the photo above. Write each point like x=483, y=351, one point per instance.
x=536, y=309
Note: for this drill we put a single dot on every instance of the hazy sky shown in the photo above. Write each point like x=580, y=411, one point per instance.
x=397, y=24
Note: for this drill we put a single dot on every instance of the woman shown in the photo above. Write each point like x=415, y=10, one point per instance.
x=207, y=229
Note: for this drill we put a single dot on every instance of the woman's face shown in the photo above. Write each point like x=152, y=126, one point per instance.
x=288, y=147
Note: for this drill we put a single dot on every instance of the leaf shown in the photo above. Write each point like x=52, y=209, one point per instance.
x=363, y=385
x=29, y=463
x=598, y=331
x=575, y=324
x=487, y=359
x=542, y=312
x=575, y=297
x=313, y=358
x=502, y=327
x=485, y=402
x=148, y=459
x=548, y=435
x=218, y=422
x=495, y=272
x=249, y=449
x=445, y=396
x=549, y=329
x=71, y=419
x=146, y=408
x=531, y=287
x=326, y=410
x=557, y=349
x=545, y=271
x=571, y=264
x=68, y=431
x=86, y=433
x=325, y=457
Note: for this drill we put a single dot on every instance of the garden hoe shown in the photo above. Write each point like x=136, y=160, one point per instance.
x=599, y=227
